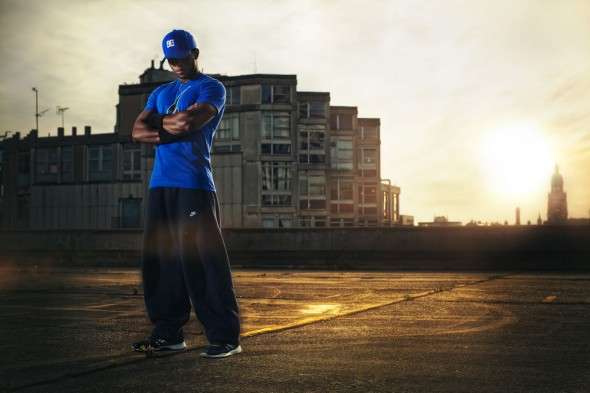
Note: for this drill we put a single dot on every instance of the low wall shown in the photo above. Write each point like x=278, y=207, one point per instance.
x=395, y=248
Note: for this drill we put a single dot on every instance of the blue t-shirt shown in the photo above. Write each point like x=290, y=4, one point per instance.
x=186, y=163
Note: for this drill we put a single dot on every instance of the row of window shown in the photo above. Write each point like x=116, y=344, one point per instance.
x=282, y=94
x=276, y=140
x=277, y=125
x=55, y=164
x=276, y=189
x=286, y=221
x=279, y=94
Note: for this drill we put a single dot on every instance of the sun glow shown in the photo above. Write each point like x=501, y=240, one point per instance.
x=517, y=161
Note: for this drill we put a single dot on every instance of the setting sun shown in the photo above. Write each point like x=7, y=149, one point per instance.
x=517, y=161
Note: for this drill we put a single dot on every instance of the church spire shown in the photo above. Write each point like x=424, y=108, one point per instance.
x=557, y=200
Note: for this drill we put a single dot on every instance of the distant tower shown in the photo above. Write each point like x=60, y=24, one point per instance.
x=539, y=221
x=517, y=216
x=557, y=200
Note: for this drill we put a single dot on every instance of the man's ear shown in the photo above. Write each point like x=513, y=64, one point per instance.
x=195, y=52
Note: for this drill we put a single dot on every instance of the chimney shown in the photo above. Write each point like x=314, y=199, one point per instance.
x=74, y=131
x=87, y=130
x=60, y=132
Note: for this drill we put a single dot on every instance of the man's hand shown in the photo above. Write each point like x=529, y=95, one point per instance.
x=174, y=126
x=190, y=120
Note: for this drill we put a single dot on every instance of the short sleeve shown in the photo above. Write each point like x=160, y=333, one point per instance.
x=152, y=102
x=213, y=92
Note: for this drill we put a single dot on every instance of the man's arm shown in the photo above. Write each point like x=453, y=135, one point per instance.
x=142, y=131
x=193, y=119
x=152, y=127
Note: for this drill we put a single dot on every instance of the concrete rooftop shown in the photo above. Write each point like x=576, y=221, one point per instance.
x=70, y=330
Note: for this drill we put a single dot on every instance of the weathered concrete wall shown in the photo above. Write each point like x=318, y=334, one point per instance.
x=493, y=248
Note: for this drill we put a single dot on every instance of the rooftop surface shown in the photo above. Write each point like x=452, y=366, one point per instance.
x=70, y=330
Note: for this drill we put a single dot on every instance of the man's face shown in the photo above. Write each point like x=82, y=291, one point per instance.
x=183, y=68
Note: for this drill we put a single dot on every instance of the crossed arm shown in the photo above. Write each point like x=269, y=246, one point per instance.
x=152, y=128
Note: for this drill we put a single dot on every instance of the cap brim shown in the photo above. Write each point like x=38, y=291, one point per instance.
x=176, y=54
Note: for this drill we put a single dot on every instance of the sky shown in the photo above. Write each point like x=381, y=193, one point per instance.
x=478, y=99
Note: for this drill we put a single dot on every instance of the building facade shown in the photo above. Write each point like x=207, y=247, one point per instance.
x=281, y=158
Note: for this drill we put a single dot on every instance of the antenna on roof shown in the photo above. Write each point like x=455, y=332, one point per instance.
x=61, y=111
x=255, y=68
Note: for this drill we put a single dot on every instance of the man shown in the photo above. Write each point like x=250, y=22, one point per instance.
x=184, y=258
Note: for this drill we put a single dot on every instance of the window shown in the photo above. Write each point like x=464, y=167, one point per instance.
x=341, y=151
x=229, y=127
x=227, y=135
x=342, y=122
x=341, y=195
x=232, y=95
x=131, y=161
x=100, y=163
x=313, y=222
x=67, y=171
x=367, y=223
x=369, y=132
x=312, y=144
x=312, y=190
x=276, y=125
x=276, y=200
x=276, y=148
x=312, y=109
x=276, y=133
x=46, y=165
x=130, y=212
x=24, y=169
x=312, y=183
x=368, y=193
x=341, y=189
x=368, y=157
x=276, y=221
x=368, y=198
x=276, y=184
x=342, y=222
x=276, y=94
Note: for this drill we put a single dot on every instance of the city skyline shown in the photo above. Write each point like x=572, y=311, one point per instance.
x=478, y=100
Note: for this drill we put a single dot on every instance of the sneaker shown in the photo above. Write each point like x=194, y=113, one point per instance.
x=158, y=344
x=220, y=350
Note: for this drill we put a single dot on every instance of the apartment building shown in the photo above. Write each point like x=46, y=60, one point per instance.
x=281, y=158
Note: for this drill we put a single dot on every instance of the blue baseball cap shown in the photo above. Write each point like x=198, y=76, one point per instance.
x=178, y=44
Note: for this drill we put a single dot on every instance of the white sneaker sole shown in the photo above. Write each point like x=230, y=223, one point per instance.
x=173, y=347
x=234, y=351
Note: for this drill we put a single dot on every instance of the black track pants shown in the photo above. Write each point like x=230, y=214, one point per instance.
x=184, y=260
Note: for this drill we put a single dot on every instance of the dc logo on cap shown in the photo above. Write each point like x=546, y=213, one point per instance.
x=169, y=43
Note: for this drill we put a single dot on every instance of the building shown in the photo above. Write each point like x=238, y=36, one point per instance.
x=440, y=221
x=556, y=200
x=72, y=182
x=406, y=220
x=281, y=158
